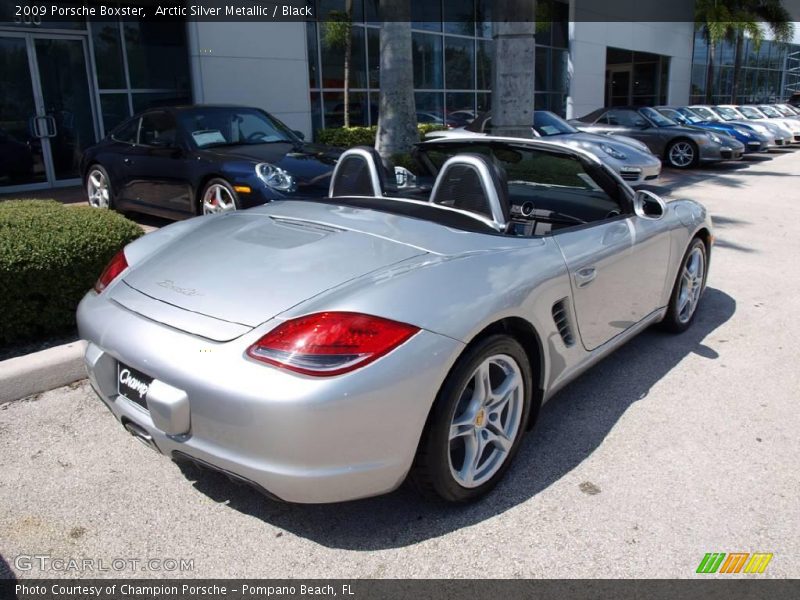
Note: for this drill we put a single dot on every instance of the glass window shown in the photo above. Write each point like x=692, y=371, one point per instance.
x=374, y=53
x=334, y=108
x=127, y=132
x=459, y=68
x=483, y=18
x=429, y=107
x=627, y=118
x=541, y=71
x=459, y=17
x=143, y=101
x=426, y=14
x=158, y=129
x=460, y=108
x=114, y=108
x=333, y=52
x=313, y=57
x=483, y=101
x=218, y=126
x=316, y=113
x=157, y=55
x=548, y=124
x=427, y=56
x=484, y=64
x=108, y=54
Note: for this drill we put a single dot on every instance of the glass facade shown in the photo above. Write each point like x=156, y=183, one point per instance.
x=636, y=78
x=452, y=60
x=761, y=77
x=139, y=65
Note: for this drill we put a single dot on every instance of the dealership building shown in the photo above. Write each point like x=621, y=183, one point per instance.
x=66, y=83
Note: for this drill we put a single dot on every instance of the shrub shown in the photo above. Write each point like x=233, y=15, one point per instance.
x=50, y=255
x=347, y=137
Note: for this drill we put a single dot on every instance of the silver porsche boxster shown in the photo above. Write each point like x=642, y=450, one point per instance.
x=409, y=324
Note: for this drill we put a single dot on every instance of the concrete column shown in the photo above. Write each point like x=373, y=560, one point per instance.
x=513, y=67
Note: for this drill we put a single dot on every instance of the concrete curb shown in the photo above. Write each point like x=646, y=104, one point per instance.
x=41, y=371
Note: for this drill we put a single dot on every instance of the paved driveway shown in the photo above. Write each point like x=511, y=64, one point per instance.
x=671, y=448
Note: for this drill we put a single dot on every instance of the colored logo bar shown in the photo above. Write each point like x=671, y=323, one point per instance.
x=734, y=562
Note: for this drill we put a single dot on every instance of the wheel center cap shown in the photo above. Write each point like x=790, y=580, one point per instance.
x=480, y=418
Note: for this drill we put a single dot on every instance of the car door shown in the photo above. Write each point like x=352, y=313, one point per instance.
x=617, y=266
x=157, y=168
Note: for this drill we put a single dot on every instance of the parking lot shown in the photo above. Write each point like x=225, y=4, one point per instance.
x=673, y=447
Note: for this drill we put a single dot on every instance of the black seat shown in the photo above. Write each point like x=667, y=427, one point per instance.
x=360, y=171
x=472, y=183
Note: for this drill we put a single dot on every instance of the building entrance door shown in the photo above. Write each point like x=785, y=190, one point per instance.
x=46, y=110
x=618, y=85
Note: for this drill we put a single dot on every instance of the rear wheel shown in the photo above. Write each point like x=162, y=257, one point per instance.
x=98, y=187
x=476, y=423
x=218, y=197
x=682, y=154
x=688, y=288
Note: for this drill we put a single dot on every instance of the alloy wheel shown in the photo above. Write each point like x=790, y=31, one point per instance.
x=681, y=154
x=691, y=285
x=97, y=189
x=486, y=421
x=217, y=199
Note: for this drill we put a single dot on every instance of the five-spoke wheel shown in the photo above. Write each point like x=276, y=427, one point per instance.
x=688, y=288
x=477, y=421
x=218, y=197
x=682, y=154
x=98, y=188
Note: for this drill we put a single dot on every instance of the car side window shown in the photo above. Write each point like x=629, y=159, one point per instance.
x=126, y=133
x=158, y=129
x=627, y=118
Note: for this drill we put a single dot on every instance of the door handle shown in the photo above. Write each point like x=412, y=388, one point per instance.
x=585, y=276
x=50, y=122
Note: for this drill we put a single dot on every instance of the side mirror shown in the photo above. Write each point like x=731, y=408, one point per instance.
x=299, y=134
x=648, y=206
x=404, y=177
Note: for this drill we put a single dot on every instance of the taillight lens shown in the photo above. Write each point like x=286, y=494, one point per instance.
x=116, y=266
x=330, y=343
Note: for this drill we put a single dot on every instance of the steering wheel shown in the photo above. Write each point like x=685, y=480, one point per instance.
x=256, y=136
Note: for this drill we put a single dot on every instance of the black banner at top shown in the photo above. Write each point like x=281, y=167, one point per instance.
x=51, y=12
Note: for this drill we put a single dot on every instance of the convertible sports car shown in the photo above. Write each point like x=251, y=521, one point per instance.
x=178, y=162
x=752, y=140
x=681, y=147
x=629, y=157
x=730, y=115
x=388, y=330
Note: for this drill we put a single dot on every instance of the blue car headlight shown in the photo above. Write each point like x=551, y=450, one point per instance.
x=275, y=177
x=613, y=152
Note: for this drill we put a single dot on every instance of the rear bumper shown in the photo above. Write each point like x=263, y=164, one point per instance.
x=299, y=439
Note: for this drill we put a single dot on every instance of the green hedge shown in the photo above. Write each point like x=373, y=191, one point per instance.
x=347, y=137
x=50, y=255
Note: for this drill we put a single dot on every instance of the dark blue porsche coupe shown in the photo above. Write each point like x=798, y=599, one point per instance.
x=178, y=162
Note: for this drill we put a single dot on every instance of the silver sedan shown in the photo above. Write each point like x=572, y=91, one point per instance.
x=325, y=350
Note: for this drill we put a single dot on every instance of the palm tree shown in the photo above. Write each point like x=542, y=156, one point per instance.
x=513, y=63
x=397, y=123
x=337, y=33
x=750, y=17
x=713, y=19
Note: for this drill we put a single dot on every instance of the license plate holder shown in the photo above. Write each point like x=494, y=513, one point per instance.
x=133, y=385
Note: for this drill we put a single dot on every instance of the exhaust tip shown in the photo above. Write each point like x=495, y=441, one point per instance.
x=141, y=434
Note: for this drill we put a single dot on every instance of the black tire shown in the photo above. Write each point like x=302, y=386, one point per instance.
x=218, y=181
x=683, y=143
x=431, y=473
x=97, y=167
x=675, y=321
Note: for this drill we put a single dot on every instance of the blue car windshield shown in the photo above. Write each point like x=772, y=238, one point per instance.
x=222, y=126
x=547, y=124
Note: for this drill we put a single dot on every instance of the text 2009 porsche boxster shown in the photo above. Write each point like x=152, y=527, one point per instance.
x=327, y=348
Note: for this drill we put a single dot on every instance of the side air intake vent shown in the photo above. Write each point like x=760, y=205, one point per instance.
x=561, y=318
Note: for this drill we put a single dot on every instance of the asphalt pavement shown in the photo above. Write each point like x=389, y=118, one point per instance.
x=674, y=447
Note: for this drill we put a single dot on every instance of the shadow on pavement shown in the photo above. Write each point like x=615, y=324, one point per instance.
x=570, y=428
x=5, y=570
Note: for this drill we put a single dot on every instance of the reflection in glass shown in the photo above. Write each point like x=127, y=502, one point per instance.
x=108, y=54
x=459, y=67
x=114, y=108
x=427, y=56
x=21, y=158
x=157, y=54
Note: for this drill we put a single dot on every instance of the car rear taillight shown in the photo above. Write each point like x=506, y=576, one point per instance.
x=330, y=343
x=116, y=266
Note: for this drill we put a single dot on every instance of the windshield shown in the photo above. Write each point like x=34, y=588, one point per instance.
x=678, y=116
x=219, y=126
x=704, y=112
x=769, y=111
x=728, y=113
x=547, y=124
x=657, y=118
x=692, y=117
x=751, y=113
